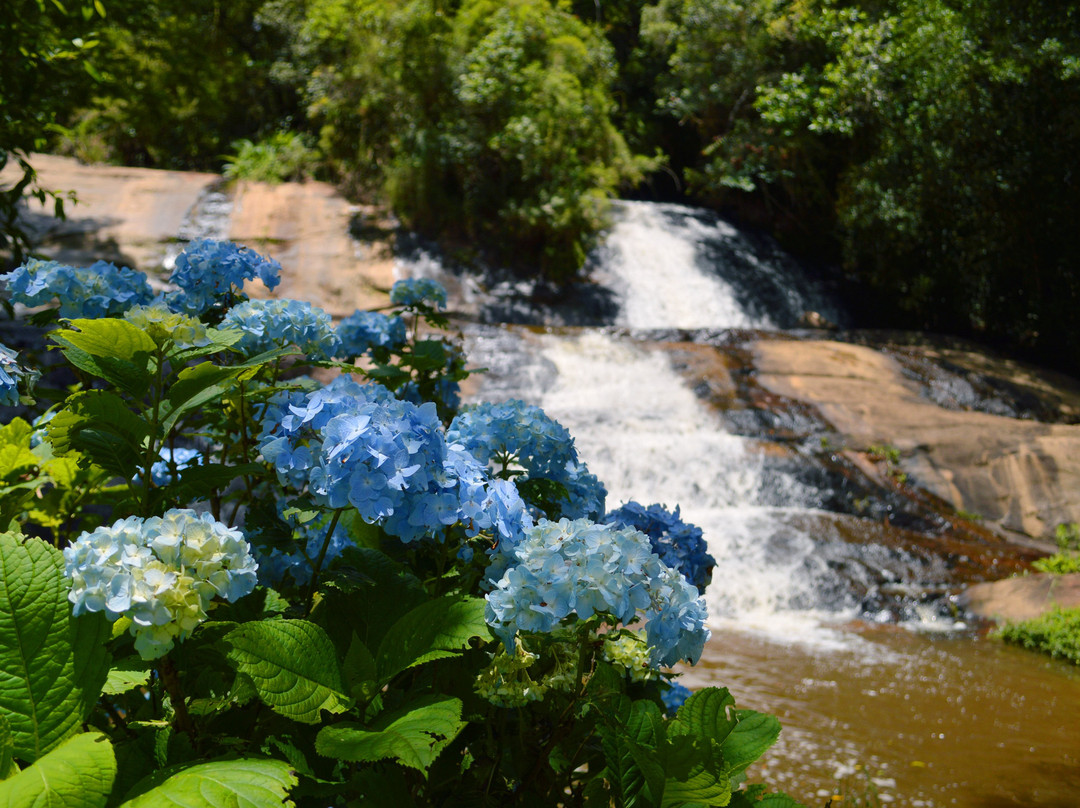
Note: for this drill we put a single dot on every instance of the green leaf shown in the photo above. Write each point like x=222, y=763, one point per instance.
x=623, y=769
x=441, y=625
x=198, y=482
x=52, y=665
x=750, y=739
x=381, y=581
x=709, y=714
x=7, y=764
x=428, y=354
x=293, y=666
x=359, y=670
x=108, y=337
x=245, y=783
x=99, y=425
x=195, y=387
x=220, y=339
x=77, y=774
x=756, y=797
x=413, y=735
x=696, y=773
x=120, y=681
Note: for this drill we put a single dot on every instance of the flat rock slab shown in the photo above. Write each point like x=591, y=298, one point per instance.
x=1022, y=598
x=1019, y=475
x=130, y=216
x=125, y=215
x=305, y=226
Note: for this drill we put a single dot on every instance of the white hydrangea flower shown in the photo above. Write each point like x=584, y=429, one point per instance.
x=162, y=573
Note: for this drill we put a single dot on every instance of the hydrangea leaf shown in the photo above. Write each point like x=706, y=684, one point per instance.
x=77, y=774
x=106, y=337
x=7, y=764
x=52, y=665
x=750, y=739
x=707, y=714
x=99, y=424
x=428, y=631
x=756, y=797
x=413, y=735
x=244, y=783
x=194, y=387
x=696, y=774
x=120, y=681
x=627, y=764
x=293, y=666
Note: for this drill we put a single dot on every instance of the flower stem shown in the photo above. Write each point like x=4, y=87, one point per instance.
x=171, y=679
x=317, y=566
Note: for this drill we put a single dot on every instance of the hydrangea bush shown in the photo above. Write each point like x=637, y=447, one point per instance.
x=227, y=582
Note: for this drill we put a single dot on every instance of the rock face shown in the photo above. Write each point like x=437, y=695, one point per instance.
x=1019, y=475
x=132, y=216
x=1023, y=598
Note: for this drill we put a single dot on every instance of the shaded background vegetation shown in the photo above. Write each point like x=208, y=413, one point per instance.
x=925, y=149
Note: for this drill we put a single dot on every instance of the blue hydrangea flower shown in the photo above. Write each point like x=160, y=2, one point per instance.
x=11, y=372
x=99, y=290
x=163, y=573
x=417, y=292
x=269, y=324
x=161, y=472
x=679, y=544
x=364, y=331
x=581, y=568
x=514, y=435
x=674, y=696
x=212, y=273
x=353, y=444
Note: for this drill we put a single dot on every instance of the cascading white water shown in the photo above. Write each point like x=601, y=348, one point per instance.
x=661, y=282
x=644, y=433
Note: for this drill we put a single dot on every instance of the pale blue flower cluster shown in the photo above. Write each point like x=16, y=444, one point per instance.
x=353, y=444
x=99, y=290
x=364, y=331
x=10, y=374
x=417, y=293
x=579, y=567
x=678, y=543
x=211, y=273
x=164, y=325
x=161, y=573
x=513, y=433
x=269, y=324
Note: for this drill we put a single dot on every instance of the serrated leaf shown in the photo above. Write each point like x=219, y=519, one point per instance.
x=623, y=769
x=359, y=670
x=696, y=773
x=752, y=736
x=198, y=482
x=245, y=783
x=440, y=625
x=194, y=387
x=413, y=735
x=293, y=666
x=108, y=337
x=52, y=665
x=707, y=714
x=220, y=339
x=77, y=774
x=755, y=797
x=382, y=581
x=99, y=425
x=16, y=433
x=16, y=460
x=119, y=681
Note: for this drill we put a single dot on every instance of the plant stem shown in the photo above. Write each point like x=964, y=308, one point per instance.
x=317, y=567
x=171, y=679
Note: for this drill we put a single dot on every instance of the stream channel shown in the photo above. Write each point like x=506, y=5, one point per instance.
x=831, y=602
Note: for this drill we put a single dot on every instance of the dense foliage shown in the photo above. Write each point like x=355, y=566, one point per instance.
x=1056, y=633
x=928, y=147
x=225, y=581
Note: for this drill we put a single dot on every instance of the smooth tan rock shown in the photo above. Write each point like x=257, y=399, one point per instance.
x=127, y=215
x=1019, y=475
x=305, y=226
x=1022, y=598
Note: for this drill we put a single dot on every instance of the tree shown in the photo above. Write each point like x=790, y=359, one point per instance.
x=46, y=47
